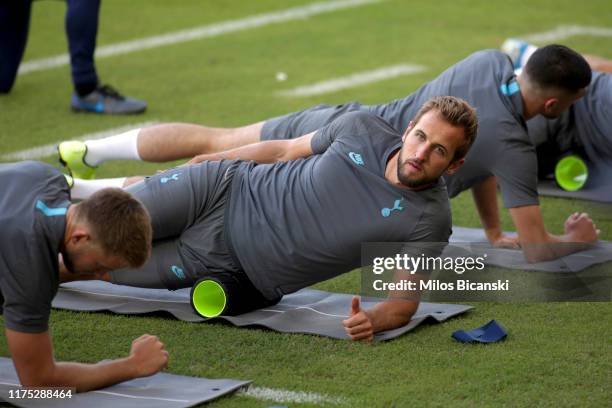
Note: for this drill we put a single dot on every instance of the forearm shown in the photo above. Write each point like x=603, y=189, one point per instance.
x=264, y=152
x=485, y=198
x=269, y=151
x=85, y=377
x=33, y=358
x=391, y=314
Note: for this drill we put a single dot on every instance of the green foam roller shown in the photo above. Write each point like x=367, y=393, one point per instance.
x=571, y=173
x=208, y=298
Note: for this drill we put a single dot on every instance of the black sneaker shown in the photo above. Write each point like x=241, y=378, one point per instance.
x=106, y=100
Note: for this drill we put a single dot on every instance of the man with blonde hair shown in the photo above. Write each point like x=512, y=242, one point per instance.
x=299, y=210
x=110, y=230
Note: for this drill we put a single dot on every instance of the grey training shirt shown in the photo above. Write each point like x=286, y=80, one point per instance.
x=295, y=223
x=33, y=202
x=486, y=80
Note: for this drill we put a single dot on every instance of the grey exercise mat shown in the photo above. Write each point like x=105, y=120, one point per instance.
x=306, y=311
x=600, y=193
x=161, y=390
x=600, y=252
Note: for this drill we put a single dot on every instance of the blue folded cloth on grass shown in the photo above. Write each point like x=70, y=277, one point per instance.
x=489, y=333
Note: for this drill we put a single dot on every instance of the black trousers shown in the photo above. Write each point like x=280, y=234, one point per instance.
x=81, y=24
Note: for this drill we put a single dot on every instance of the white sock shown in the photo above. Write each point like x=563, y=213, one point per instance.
x=83, y=189
x=123, y=146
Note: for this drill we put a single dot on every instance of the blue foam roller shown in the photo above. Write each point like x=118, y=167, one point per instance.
x=489, y=333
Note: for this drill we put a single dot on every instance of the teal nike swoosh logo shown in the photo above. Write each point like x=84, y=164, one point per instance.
x=50, y=212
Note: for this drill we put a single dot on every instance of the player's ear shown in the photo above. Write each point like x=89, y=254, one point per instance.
x=550, y=104
x=454, y=166
x=80, y=236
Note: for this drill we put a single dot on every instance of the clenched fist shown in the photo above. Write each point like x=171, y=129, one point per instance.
x=148, y=355
x=580, y=227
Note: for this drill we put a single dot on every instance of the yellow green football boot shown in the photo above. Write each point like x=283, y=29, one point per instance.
x=72, y=155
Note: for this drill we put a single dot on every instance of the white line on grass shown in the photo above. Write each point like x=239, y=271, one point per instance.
x=565, y=31
x=360, y=78
x=50, y=149
x=204, y=31
x=285, y=396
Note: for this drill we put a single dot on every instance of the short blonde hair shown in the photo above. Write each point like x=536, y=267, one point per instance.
x=456, y=112
x=120, y=224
